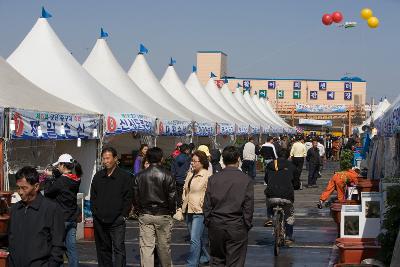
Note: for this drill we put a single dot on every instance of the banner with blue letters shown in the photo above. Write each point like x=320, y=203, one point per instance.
x=56, y=126
x=174, y=128
x=120, y=123
x=204, y=129
x=225, y=129
x=242, y=129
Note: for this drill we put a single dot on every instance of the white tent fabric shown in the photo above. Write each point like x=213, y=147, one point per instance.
x=197, y=91
x=17, y=92
x=104, y=67
x=379, y=111
x=43, y=59
x=226, y=92
x=213, y=91
x=275, y=115
x=144, y=77
x=273, y=123
x=247, y=98
x=174, y=86
x=239, y=97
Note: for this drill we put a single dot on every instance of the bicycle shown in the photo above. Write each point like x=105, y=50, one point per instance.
x=278, y=222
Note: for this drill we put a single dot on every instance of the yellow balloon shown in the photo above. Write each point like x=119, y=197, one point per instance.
x=366, y=13
x=373, y=22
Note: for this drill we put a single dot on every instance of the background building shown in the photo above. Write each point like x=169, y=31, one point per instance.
x=285, y=93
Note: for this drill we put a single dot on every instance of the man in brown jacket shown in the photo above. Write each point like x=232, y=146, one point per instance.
x=228, y=210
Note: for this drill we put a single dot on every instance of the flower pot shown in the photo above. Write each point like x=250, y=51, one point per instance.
x=354, y=250
x=88, y=232
x=336, y=211
x=368, y=185
x=3, y=258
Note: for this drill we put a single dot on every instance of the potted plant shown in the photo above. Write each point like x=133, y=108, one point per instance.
x=391, y=224
x=354, y=250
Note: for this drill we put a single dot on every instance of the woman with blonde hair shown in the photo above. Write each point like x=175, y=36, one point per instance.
x=193, y=198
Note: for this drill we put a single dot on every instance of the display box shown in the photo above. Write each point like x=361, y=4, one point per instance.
x=351, y=221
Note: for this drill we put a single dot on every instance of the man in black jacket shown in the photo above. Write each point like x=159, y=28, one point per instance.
x=111, y=200
x=154, y=193
x=228, y=211
x=282, y=181
x=314, y=163
x=36, y=227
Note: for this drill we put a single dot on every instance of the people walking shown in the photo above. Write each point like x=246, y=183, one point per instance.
x=154, y=193
x=63, y=190
x=297, y=154
x=228, y=210
x=137, y=167
x=111, y=200
x=314, y=162
x=249, y=158
x=328, y=147
x=216, y=160
x=36, y=226
x=268, y=152
x=193, y=202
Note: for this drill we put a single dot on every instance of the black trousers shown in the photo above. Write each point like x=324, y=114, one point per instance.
x=313, y=170
x=248, y=167
x=110, y=238
x=228, y=245
x=328, y=153
x=179, y=192
x=298, y=162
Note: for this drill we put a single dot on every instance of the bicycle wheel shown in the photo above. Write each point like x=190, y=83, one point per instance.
x=277, y=233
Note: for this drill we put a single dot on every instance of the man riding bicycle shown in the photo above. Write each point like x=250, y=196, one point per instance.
x=281, y=180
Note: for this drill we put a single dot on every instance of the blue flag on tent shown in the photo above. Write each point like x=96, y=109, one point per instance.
x=45, y=14
x=194, y=68
x=212, y=75
x=143, y=49
x=226, y=80
x=103, y=34
x=172, y=61
x=239, y=85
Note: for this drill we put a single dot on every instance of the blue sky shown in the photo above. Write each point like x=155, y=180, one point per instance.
x=263, y=38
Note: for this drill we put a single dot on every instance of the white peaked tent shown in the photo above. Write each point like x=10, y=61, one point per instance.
x=174, y=86
x=379, y=111
x=43, y=59
x=144, y=77
x=17, y=92
x=274, y=122
x=197, y=91
x=103, y=66
x=250, y=103
x=226, y=92
x=239, y=97
x=213, y=91
x=276, y=116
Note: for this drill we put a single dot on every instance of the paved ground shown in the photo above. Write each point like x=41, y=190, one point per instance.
x=315, y=233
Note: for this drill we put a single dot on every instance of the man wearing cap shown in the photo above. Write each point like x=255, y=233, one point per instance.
x=111, y=201
x=63, y=190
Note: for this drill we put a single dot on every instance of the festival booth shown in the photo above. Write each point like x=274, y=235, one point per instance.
x=378, y=112
x=43, y=59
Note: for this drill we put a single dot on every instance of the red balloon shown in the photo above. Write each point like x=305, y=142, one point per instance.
x=337, y=17
x=327, y=19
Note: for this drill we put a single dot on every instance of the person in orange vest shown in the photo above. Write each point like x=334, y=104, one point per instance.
x=338, y=182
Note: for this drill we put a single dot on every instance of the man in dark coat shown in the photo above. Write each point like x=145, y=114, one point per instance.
x=36, y=227
x=314, y=163
x=228, y=211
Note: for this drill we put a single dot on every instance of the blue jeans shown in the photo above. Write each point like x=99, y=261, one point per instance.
x=70, y=244
x=198, y=252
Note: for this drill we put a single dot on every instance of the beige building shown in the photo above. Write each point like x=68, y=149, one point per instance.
x=284, y=93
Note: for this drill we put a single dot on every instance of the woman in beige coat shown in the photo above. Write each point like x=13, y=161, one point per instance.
x=193, y=197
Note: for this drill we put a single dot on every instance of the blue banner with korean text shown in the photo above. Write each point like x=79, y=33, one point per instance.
x=120, y=123
x=174, y=128
x=204, y=129
x=242, y=129
x=225, y=129
x=56, y=126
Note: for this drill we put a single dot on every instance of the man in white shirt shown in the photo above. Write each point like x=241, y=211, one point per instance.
x=298, y=153
x=249, y=158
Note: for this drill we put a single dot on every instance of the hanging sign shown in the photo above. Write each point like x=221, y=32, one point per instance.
x=174, y=128
x=348, y=86
x=241, y=129
x=262, y=93
x=348, y=95
x=330, y=95
x=128, y=122
x=225, y=129
x=313, y=95
x=271, y=84
x=47, y=125
x=246, y=84
x=297, y=85
x=322, y=85
x=305, y=108
x=254, y=129
x=204, y=129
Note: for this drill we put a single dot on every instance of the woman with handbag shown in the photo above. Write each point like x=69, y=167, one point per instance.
x=193, y=198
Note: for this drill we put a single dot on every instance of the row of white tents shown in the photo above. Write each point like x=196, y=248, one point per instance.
x=48, y=97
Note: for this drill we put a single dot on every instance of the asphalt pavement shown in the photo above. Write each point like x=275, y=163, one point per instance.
x=314, y=232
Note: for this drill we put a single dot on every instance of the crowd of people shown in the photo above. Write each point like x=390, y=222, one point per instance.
x=212, y=191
